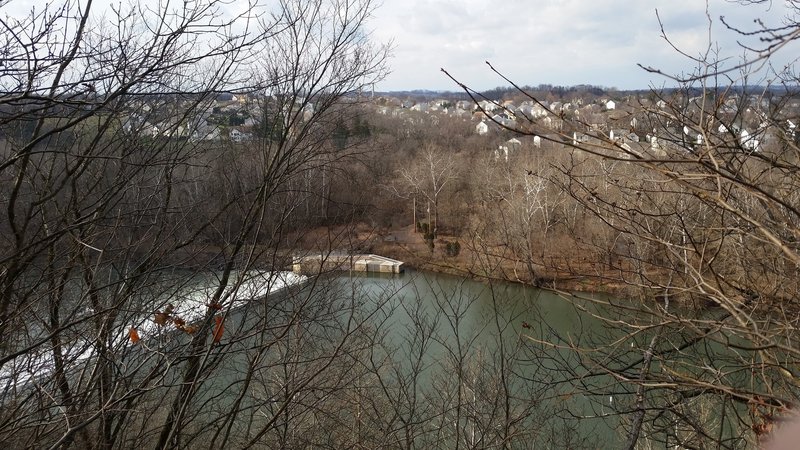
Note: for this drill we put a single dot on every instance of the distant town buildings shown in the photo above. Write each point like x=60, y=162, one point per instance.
x=577, y=120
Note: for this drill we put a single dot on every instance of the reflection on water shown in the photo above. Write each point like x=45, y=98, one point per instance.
x=350, y=360
x=490, y=344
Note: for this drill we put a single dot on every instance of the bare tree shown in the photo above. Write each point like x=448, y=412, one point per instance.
x=427, y=177
x=702, y=212
x=120, y=205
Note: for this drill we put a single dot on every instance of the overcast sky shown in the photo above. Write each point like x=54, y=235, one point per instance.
x=560, y=42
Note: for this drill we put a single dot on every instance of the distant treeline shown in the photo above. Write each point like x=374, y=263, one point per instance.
x=500, y=93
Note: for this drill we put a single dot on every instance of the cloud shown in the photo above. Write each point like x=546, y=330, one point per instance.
x=550, y=41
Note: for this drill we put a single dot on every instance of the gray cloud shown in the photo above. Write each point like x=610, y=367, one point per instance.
x=551, y=41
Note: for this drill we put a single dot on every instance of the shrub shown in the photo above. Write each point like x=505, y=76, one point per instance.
x=429, y=240
x=423, y=228
x=452, y=248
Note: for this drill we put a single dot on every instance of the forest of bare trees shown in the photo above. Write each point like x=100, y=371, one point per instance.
x=111, y=214
x=698, y=229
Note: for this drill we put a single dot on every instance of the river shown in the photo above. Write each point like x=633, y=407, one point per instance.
x=488, y=342
x=414, y=360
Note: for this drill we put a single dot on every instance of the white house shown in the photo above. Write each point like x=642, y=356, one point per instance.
x=487, y=106
x=749, y=142
x=510, y=146
x=552, y=122
x=537, y=111
x=151, y=129
x=482, y=128
x=505, y=119
x=308, y=112
x=611, y=105
x=532, y=110
x=238, y=135
x=421, y=107
x=654, y=143
x=503, y=150
x=464, y=105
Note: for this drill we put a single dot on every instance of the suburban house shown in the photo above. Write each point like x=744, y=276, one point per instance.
x=238, y=135
x=552, y=122
x=465, y=105
x=482, y=128
x=421, y=107
x=505, y=119
x=749, y=141
x=513, y=144
x=488, y=106
x=532, y=110
x=204, y=132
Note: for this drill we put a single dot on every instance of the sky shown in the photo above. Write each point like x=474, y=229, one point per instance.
x=558, y=42
x=532, y=42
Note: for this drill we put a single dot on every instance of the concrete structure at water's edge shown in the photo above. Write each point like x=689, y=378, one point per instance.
x=343, y=261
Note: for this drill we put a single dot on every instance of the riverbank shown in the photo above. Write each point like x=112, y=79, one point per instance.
x=565, y=263
x=480, y=261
